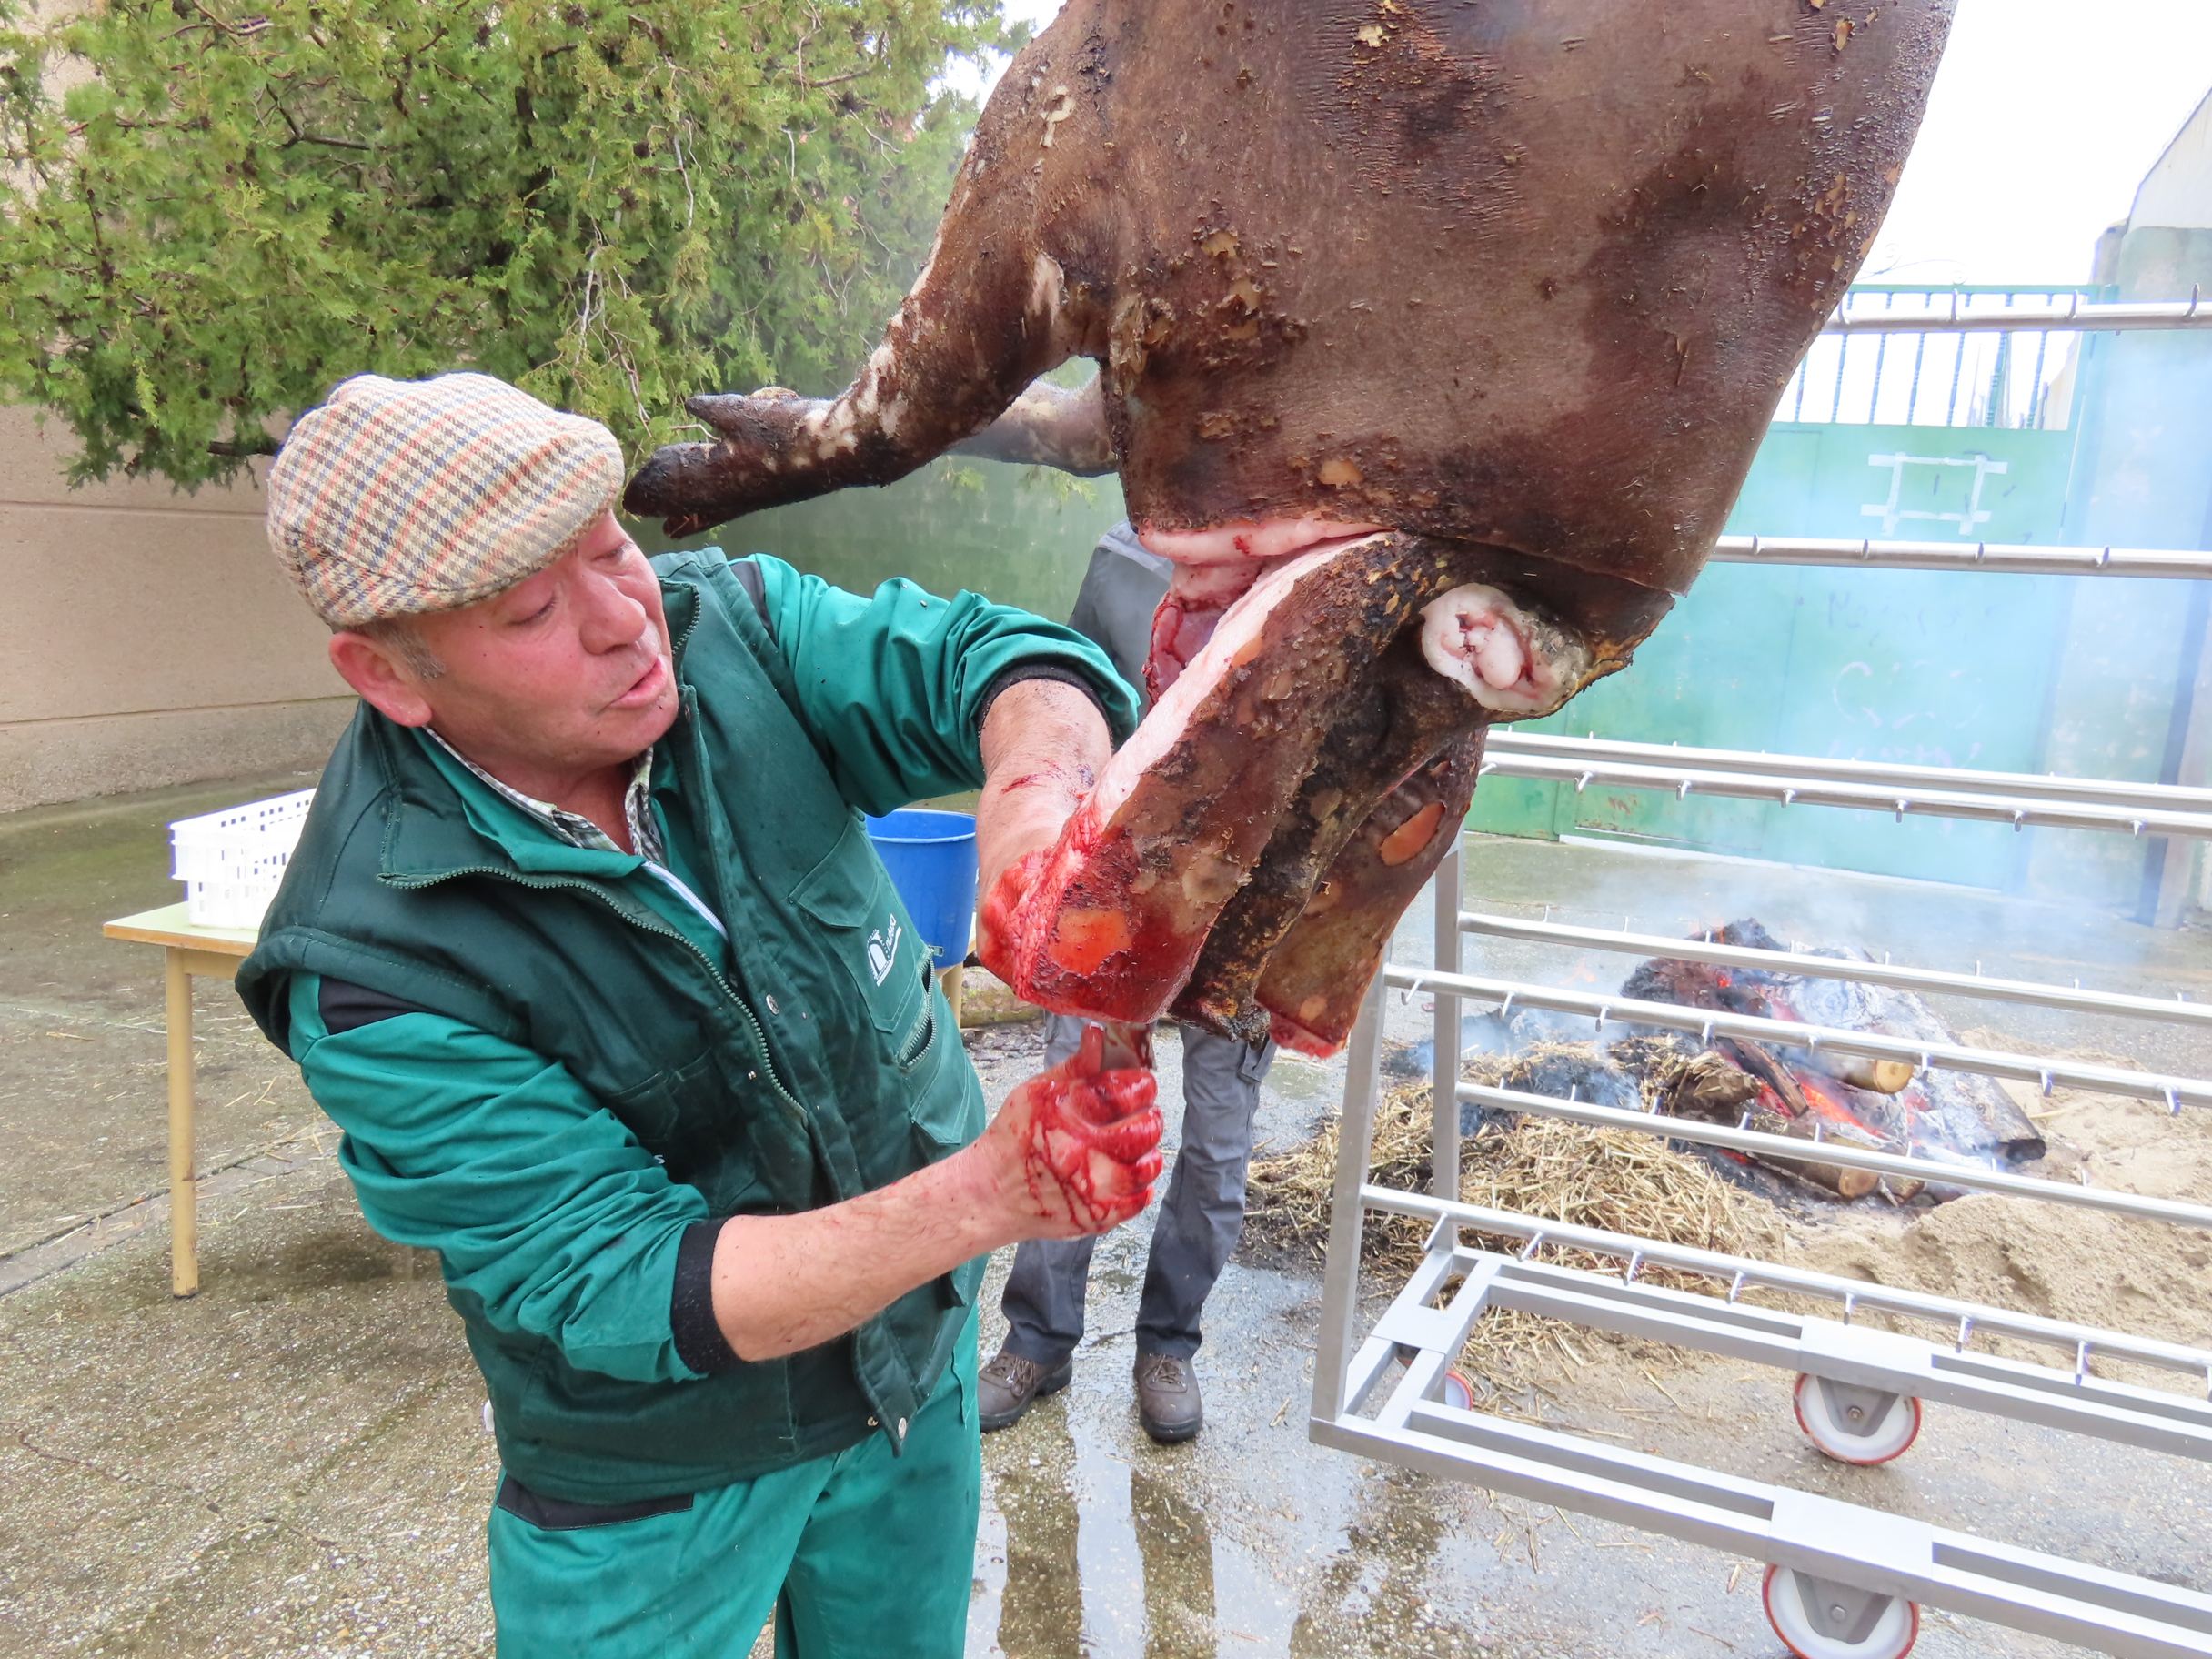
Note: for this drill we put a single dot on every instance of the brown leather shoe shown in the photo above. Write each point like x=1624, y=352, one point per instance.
x=1167, y=1398
x=1008, y=1383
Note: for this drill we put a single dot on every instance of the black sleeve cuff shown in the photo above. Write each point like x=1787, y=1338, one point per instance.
x=699, y=1341
x=349, y=1008
x=1009, y=678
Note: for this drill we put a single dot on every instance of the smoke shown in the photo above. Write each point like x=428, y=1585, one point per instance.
x=1674, y=894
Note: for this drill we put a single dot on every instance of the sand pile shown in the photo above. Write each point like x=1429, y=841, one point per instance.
x=2145, y=1278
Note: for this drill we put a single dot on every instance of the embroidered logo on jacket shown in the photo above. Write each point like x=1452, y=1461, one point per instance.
x=883, y=949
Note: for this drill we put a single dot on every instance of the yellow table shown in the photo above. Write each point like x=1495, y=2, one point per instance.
x=186, y=949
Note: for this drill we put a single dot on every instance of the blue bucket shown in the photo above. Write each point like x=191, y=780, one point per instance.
x=931, y=859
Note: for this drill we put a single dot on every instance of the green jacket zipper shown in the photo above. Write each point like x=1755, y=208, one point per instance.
x=918, y=1041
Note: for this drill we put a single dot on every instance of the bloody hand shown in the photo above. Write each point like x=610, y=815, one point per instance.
x=1079, y=1144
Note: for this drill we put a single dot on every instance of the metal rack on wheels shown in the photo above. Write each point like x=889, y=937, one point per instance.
x=1844, y=1581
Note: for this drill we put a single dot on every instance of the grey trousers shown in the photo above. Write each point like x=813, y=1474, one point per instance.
x=1199, y=1220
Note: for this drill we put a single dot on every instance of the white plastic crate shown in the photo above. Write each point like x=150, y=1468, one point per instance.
x=231, y=861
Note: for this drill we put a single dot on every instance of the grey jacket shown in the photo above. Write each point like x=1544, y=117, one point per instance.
x=1113, y=609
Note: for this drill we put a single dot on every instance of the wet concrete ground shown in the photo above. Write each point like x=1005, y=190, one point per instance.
x=292, y=1462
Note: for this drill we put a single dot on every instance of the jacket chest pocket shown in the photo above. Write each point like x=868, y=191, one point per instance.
x=865, y=927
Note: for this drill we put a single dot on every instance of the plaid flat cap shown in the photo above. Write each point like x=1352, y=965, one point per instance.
x=399, y=497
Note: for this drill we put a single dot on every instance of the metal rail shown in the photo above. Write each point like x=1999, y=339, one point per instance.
x=1949, y=359
x=1856, y=1355
x=2017, y=558
x=1742, y=1272
x=2076, y=315
x=1432, y=1318
x=1844, y=1573
x=1845, y=1555
x=1887, y=776
x=2175, y=1091
x=1793, y=1149
x=1936, y=981
x=1798, y=790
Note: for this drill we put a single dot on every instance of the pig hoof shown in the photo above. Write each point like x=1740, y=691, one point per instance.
x=1514, y=664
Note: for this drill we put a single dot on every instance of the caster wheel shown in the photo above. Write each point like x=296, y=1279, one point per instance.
x=1856, y=1425
x=1459, y=1394
x=1816, y=1620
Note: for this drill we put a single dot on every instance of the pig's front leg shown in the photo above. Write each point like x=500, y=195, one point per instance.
x=992, y=310
x=1049, y=425
x=1313, y=983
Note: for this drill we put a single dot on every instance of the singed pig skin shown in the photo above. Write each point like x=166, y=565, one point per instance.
x=1520, y=281
x=1314, y=980
x=1526, y=272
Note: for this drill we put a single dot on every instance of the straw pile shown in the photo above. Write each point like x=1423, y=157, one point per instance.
x=1650, y=1064
x=1617, y=1180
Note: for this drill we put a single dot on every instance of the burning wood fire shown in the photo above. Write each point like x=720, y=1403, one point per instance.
x=1804, y=1093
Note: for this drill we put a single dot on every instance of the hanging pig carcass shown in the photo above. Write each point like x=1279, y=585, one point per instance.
x=1435, y=340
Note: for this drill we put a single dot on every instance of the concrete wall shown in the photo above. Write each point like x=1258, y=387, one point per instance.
x=2131, y=696
x=2177, y=192
x=148, y=637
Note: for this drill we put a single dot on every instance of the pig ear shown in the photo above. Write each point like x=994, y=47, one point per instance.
x=1313, y=983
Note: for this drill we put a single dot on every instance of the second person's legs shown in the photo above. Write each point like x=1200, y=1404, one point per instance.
x=1198, y=1225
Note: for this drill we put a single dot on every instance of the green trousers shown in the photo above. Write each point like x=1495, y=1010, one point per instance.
x=859, y=1554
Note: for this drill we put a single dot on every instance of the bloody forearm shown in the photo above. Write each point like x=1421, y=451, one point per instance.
x=1044, y=744
x=786, y=1282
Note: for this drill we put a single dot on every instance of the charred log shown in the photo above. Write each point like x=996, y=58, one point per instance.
x=1967, y=1115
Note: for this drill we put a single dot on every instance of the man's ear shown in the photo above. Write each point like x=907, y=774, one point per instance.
x=382, y=679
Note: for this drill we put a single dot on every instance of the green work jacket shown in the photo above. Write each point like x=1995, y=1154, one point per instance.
x=561, y=1070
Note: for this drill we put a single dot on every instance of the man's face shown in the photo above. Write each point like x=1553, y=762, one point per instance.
x=561, y=675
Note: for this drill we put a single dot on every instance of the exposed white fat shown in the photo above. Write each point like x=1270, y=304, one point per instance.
x=1062, y=108
x=1243, y=540
x=830, y=423
x=1171, y=716
x=929, y=263
x=1212, y=586
x=1047, y=286
x=1509, y=660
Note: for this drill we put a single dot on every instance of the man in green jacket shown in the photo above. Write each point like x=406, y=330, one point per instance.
x=585, y=949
